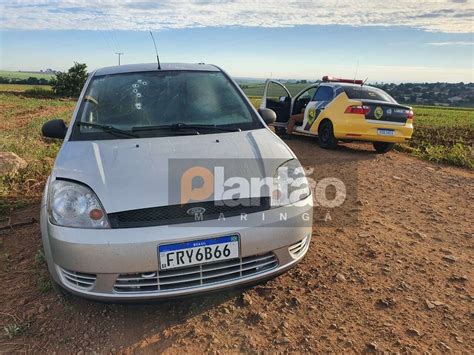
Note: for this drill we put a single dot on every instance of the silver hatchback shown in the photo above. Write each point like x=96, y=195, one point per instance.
x=170, y=183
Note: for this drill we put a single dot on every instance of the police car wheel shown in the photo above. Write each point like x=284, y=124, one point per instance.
x=383, y=147
x=326, y=135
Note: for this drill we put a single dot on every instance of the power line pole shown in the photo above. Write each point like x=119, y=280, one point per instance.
x=119, y=54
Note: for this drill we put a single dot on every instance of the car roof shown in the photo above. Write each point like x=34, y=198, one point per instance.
x=132, y=68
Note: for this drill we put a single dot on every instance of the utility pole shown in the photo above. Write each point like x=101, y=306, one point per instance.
x=119, y=54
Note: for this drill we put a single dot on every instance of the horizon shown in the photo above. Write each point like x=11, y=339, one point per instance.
x=261, y=80
x=423, y=42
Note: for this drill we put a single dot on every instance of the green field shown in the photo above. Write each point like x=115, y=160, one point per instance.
x=441, y=134
x=23, y=88
x=24, y=75
x=436, y=116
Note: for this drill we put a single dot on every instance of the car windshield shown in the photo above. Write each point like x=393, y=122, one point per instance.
x=366, y=93
x=145, y=102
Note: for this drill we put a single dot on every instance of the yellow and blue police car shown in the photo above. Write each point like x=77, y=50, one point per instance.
x=341, y=110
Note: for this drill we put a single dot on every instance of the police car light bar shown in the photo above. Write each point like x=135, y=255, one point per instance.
x=328, y=78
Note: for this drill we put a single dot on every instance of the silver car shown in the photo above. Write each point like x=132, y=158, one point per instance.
x=170, y=183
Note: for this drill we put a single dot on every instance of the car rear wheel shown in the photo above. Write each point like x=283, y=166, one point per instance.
x=383, y=147
x=326, y=135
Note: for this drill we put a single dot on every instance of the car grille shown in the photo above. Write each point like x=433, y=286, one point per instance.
x=79, y=279
x=296, y=249
x=195, y=276
x=175, y=214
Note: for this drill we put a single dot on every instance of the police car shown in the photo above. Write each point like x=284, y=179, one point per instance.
x=341, y=110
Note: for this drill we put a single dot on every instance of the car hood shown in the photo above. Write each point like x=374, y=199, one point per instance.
x=129, y=174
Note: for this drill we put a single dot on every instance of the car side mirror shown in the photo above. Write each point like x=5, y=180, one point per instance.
x=269, y=116
x=54, y=129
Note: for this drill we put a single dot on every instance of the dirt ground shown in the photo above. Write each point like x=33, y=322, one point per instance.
x=400, y=279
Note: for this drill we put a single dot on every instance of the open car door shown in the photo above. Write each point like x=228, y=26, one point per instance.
x=301, y=104
x=277, y=98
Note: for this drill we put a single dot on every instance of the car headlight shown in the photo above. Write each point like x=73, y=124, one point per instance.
x=74, y=205
x=289, y=184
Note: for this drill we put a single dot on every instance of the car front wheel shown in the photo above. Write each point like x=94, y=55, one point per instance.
x=326, y=135
x=383, y=147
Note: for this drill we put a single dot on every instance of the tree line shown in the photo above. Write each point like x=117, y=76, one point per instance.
x=28, y=81
x=68, y=84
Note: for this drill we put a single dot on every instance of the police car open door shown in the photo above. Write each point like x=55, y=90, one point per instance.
x=321, y=96
x=277, y=98
x=300, y=105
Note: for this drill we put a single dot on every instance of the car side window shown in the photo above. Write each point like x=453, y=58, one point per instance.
x=302, y=100
x=308, y=94
x=324, y=93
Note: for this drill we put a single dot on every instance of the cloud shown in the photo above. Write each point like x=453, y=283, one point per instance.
x=454, y=43
x=434, y=15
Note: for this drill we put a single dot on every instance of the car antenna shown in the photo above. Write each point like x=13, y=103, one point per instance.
x=363, y=83
x=357, y=68
x=156, y=50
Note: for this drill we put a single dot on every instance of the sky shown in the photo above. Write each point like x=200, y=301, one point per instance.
x=397, y=41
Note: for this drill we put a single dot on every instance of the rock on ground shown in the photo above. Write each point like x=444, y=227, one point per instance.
x=10, y=163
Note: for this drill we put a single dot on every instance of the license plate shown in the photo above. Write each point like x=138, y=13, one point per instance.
x=198, y=252
x=385, y=132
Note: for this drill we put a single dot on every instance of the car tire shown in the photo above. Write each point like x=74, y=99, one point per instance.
x=383, y=147
x=326, y=135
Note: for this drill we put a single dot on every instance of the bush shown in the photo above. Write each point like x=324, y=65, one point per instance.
x=70, y=83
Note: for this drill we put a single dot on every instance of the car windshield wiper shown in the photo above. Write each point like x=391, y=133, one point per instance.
x=184, y=126
x=108, y=129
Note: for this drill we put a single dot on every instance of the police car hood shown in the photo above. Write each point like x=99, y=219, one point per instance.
x=129, y=174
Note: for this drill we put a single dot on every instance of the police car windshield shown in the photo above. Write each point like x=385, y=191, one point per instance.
x=150, y=99
x=367, y=93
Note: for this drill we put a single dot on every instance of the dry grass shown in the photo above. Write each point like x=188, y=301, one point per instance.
x=21, y=118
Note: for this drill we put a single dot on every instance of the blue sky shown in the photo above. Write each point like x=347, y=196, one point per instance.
x=430, y=42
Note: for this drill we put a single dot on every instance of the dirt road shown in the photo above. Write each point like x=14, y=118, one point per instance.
x=400, y=278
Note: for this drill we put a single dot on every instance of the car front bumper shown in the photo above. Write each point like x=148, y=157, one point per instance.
x=122, y=264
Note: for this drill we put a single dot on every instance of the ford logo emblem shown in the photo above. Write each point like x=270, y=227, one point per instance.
x=196, y=211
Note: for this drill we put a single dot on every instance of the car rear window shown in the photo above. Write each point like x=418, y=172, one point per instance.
x=366, y=93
